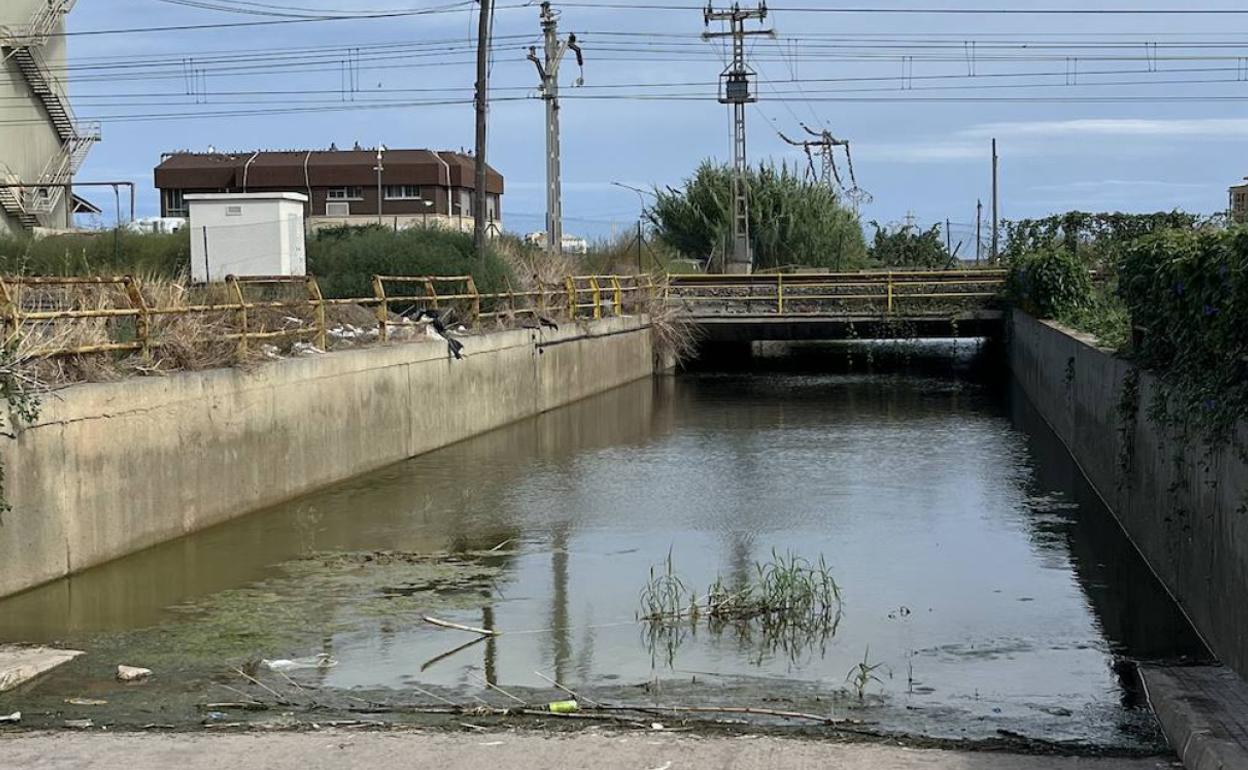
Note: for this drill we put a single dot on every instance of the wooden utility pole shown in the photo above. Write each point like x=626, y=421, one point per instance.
x=479, y=208
x=996, y=242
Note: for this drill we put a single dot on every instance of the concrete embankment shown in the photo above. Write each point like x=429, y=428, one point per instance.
x=1181, y=504
x=112, y=468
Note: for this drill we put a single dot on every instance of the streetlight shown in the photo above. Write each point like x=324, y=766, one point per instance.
x=381, y=148
x=640, y=216
x=424, y=215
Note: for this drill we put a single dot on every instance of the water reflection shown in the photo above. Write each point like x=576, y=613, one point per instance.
x=924, y=486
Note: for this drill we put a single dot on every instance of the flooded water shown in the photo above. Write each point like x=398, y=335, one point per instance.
x=981, y=580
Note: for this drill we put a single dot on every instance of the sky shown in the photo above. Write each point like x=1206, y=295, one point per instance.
x=1103, y=111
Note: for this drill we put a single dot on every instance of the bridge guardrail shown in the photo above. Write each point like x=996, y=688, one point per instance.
x=868, y=293
x=68, y=316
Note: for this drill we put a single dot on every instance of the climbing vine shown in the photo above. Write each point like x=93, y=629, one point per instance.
x=20, y=395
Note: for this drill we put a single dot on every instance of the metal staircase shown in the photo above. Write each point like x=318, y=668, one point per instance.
x=22, y=44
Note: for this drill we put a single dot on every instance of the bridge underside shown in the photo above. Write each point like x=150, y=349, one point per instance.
x=789, y=327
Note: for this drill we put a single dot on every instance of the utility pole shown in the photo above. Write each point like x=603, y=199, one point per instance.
x=548, y=72
x=948, y=238
x=979, y=221
x=996, y=241
x=479, y=208
x=827, y=173
x=736, y=90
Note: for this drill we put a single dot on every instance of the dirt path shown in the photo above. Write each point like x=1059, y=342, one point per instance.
x=338, y=749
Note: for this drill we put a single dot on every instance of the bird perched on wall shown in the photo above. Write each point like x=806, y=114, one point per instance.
x=437, y=330
x=542, y=322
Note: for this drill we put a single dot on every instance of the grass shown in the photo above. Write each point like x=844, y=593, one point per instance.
x=107, y=252
x=1105, y=317
x=786, y=589
x=862, y=674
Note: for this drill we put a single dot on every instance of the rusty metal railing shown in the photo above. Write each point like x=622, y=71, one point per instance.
x=248, y=306
x=882, y=293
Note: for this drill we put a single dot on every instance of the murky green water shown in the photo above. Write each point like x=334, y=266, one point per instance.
x=977, y=569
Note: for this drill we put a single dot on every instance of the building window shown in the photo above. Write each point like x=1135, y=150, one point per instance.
x=175, y=203
x=233, y=211
x=402, y=192
x=344, y=194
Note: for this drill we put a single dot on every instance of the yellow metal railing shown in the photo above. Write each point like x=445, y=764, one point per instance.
x=30, y=304
x=798, y=294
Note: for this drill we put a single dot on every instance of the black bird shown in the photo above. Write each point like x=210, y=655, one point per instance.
x=437, y=330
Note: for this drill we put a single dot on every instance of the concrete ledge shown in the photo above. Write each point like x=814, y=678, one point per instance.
x=1180, y=502
x=112, y=468
x=1203, y=711
x=19, y=665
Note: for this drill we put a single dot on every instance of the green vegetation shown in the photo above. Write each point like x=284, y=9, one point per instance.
x=1170, y=291
x=1050, y=282
x=1187, y=292
x=345, y=259
x=863, y=674
x=108, y=252
x=1051, y=258
x=908, y=247
x=788, y=590
x=792, y=221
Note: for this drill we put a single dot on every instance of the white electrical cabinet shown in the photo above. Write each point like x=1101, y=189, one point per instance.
x=246, y=234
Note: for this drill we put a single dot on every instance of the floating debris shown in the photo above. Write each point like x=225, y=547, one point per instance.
x=132, y=673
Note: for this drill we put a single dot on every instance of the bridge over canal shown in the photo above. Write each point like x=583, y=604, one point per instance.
x=823, y=306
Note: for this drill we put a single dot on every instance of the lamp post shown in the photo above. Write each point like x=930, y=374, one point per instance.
x=424, y=215
x=381, y=148
x=640, y=217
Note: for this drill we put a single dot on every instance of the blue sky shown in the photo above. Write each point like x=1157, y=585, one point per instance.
x=1116, y=140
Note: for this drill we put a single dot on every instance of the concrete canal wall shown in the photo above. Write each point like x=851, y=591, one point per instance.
x=1184, y=512
x=112, y=468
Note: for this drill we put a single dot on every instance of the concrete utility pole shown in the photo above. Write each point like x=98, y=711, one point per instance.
x=548, y=72
x=479, y=208
x=736, y=90
x=996, y=241
x=979, y=238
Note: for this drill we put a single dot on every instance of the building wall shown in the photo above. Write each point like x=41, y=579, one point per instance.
x=26, y=149
x=112, y=468
x=1183, y=510
x=1239, y=203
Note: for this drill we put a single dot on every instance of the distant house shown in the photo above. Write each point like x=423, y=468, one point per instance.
x=1239, y=202
x=414, y=188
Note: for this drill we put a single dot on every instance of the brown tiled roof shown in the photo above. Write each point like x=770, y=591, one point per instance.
x=324, y=168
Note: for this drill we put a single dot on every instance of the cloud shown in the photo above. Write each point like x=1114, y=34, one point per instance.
x=1107, y=185
x=921, y=152
x=1122, y=127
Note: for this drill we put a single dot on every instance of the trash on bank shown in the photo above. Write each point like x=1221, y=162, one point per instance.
x=86, y=702
x=13, y=718
x=564, y=707
x=320, y=660
x=79, y=724
x=132, y=673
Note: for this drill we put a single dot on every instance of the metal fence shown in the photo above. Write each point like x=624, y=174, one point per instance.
x=125, y=318
x=880, y=293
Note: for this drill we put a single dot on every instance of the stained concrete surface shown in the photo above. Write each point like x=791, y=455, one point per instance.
x=19, y=664
x=1204, y=713
x=515, y=751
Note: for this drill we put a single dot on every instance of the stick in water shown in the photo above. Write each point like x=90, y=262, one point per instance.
x=458, y=627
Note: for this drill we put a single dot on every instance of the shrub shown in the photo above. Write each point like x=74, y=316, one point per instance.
x=909, y=247
x=1187, y=292
x=1050, y=282
x=107, y=252
x=344, y=260
x=792, y=221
